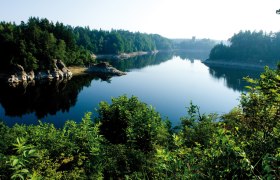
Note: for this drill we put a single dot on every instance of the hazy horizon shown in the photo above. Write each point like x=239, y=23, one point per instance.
x=174, y=19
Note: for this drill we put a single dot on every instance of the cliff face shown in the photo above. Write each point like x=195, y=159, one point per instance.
x=58, y=71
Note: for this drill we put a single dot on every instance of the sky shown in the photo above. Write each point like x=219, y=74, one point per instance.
x=214, y=19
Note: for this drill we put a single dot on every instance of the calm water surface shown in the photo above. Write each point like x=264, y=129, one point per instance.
x=165, y=81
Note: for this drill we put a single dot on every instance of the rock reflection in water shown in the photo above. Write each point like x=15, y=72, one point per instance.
x=43, y=98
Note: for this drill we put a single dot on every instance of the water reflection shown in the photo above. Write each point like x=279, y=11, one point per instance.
x=42, y=98
x=201, y=54
x=47, y=98
x=140, y=62
x=233, y=77
x=168, y=84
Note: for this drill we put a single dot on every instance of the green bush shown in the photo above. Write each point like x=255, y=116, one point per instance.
x=133, y=131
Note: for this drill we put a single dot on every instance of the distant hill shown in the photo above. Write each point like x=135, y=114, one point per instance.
x=194, y=45
x=188, y=44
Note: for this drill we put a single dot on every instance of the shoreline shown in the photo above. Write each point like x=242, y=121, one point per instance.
x=76, y=71
x=228, y=64
x=81, y=70
x=100, y=68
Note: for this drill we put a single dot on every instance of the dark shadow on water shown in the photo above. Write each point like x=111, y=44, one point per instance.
x=48, y=98
x=233, y=77
x=44, y=98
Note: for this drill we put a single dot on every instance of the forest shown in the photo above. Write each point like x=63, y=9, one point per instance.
x=249, y=47
x=128, y=139
x=36, y=43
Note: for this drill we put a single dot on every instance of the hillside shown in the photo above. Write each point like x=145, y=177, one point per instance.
x=248, y=48
x=35, y=44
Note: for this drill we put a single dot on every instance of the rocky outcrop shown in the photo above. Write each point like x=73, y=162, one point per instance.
x=65, y=71
x=57, y=71
x=104, y=68
x=19, y=75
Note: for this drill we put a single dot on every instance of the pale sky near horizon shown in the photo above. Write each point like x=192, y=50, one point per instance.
x=214, y=19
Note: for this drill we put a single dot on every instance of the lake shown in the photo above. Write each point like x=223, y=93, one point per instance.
x=166, y=81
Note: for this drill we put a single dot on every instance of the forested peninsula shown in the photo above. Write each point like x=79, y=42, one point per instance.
x=247, y=49
x=41, y=46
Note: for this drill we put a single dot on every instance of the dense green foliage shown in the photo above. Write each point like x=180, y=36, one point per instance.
x=129, y=140
x=132, y=131
x=249, y=47
x=36, y=43
x=44, y=151
x=119, y=41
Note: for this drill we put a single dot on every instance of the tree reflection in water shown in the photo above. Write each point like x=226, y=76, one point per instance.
x=233, y=77
x=47, y=98
x=43, y=98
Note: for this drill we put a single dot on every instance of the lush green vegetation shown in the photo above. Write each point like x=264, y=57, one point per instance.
x=129, y=140
x=36, y=43
x=119, y=41
x=249, y=47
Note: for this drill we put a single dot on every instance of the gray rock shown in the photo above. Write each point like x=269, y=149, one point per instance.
x=30, y=76
x=105, y=68
x=13, y=79
x=57, y=70
x=18, y=75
